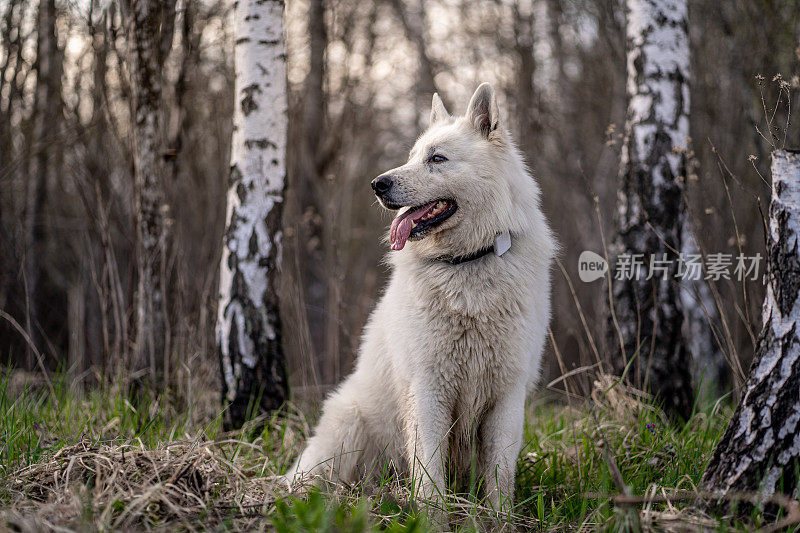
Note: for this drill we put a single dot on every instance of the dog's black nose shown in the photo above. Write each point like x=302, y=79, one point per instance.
x=382, y=184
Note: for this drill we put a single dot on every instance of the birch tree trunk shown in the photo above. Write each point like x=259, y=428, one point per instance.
x=647, y=316
x=149, y=37
x=248, y=322
x=760, y=449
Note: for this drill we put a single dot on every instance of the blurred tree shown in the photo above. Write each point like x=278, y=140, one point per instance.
x=412, y=19
x=525, y=97
x=701, y=321
x=150, y=33
x=759, y=450
x=315, y=108
x=646, y=311
x=248, y=323
x=44, y=158
x=312, y=163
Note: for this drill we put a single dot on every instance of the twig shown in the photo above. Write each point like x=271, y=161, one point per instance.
x=790, y=505
x=32, y=346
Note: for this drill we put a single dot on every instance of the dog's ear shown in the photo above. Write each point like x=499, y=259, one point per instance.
x=482, y=111
x=438, y=112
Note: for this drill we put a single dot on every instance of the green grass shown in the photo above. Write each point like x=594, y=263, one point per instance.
x=564, y=473
x=564, y=479
x=33, y=423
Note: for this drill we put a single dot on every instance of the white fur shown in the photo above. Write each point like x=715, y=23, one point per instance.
x=450, y=351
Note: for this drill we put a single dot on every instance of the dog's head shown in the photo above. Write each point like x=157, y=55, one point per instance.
x=457, y=190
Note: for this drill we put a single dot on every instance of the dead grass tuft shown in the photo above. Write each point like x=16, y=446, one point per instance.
x=124, y=486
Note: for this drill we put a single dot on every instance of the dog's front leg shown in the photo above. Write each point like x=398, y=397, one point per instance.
x=427, y=424
x=501, y=441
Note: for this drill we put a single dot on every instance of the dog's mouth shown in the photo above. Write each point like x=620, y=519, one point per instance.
x=417, y=221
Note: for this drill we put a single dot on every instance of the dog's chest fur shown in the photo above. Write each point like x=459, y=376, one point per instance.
x=472, y=363
x=474, y=348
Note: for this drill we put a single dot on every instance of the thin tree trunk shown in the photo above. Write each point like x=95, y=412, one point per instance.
x=413, y=22
x=46, y=122
x=147, y=21
x=314, y=106
x=248, y=324
x=312, y=190
x=76, y=325
x=648, y=313
x=760, y=450
x=528, y=119
x=176, y=123
x=555, y=15
x=701, y=317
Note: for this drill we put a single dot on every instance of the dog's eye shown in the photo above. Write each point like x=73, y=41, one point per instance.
x=438, y=158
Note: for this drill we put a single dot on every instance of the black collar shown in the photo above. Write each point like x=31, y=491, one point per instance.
x=458, y=259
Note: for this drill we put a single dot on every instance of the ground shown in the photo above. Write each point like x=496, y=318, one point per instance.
x=101, y=461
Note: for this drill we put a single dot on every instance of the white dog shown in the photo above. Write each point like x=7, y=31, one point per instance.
x=455, y=343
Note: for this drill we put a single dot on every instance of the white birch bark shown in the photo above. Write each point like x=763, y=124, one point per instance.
x=760, y=450
x=248, y=322
x=649, y=312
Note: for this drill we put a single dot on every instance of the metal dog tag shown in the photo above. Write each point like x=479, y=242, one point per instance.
x=502, y=243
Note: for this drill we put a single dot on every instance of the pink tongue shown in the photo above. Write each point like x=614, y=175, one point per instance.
x=401, y=229
x=403, y=224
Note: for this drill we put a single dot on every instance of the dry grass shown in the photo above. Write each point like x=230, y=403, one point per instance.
x=124, y=486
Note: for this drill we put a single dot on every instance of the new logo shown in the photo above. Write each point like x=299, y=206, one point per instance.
x=591, y=266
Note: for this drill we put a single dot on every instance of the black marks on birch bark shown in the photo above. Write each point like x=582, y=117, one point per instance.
x=785, y=276
x=262, y=144
x=249, y=103
x=760, y=450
